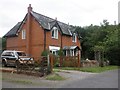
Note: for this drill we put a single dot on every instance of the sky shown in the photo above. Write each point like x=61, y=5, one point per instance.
x=75, y=12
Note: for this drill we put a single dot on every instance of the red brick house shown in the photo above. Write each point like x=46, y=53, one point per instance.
x=37, y=33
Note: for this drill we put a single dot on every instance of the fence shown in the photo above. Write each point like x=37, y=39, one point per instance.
x=46, y=64
x=43, y=67
x=65, y=61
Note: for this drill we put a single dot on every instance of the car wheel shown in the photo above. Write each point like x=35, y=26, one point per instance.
x=4, y=64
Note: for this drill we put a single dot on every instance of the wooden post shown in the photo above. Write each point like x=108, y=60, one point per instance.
x=60, y=61
x=51, y=62
x=78, y=60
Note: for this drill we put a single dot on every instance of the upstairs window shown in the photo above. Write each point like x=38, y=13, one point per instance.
x=23, y=34
x=74, y=38
x=55, y=33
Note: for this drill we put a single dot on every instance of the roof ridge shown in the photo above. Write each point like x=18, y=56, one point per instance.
x=50, y=18
x=42, y=15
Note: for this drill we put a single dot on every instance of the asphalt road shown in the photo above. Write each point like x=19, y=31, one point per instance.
x=107, y=79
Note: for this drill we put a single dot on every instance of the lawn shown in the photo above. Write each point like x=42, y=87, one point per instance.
x=87, y=69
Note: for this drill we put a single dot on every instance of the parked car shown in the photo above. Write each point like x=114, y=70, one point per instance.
x=12, y=57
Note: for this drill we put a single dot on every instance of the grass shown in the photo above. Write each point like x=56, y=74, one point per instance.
x=17, y=81
x=88, y=69
x=55, y=77
x=98, y=69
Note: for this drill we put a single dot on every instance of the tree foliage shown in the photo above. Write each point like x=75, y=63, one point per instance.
x=103, y=38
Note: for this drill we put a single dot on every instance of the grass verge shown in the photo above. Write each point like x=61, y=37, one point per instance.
x=17, y=81
x=55, y=77
x=88, y=69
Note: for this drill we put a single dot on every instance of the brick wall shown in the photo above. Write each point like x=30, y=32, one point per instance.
x=37, y=40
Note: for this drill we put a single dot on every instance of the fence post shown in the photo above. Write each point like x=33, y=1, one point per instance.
x=51, y=62
x=78, y=60
x=48, y=60
x=60, y=61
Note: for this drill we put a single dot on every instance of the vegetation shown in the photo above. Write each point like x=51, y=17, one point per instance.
x=60, y=52
x=2, y=43
x=103, y=39
x=55, y=77
x=98, y=69
x=17, y=81
x=88, y=69
x=45, y=53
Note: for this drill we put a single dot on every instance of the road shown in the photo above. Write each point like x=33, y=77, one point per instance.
x=107, y=79
x=74, y=79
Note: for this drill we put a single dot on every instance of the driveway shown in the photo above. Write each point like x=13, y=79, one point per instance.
x=74, y=79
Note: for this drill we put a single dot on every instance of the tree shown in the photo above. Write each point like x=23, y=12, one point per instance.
x=105, y=37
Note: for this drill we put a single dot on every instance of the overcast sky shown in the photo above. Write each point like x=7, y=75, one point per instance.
x=74, y=12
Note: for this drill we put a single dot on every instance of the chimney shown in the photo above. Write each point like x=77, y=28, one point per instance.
x=29, y=8
x=56, y=18
x=28, y=34
x=68, y=24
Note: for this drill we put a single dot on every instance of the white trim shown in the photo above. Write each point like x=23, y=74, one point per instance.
x=66, y=52
x=74, y=38
x=23, y=34
x=55, y=33
x=54, y=49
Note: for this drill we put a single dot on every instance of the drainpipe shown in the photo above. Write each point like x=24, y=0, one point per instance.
x=61, y=41
x=28, y=32
x=44, y=40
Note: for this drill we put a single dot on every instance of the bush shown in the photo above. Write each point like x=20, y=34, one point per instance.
x=45, y=53
x=60, y=52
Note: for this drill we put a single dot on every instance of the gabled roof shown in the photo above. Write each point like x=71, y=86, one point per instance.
x=46, y=22
x=13, y=31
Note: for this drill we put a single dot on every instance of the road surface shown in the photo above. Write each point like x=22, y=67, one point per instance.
x=74, y=79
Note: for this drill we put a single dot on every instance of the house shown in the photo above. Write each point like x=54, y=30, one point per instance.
x=37, y=33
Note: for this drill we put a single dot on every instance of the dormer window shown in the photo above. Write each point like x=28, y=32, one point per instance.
x=55, y=33
x=74, y=38
x=23, y=34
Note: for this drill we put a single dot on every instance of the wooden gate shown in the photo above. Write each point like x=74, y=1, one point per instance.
x=45, y=66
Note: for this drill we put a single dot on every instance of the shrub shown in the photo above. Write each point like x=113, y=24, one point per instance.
x=60, y=52
x=45, y=53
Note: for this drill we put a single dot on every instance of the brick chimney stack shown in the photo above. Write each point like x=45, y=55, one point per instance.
x=29, y=8
x=28, y=31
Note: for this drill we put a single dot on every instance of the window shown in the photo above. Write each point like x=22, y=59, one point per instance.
x=74, y=38
x=8, y=54
x=55, y=33
x=21, y=54
x=23, y=34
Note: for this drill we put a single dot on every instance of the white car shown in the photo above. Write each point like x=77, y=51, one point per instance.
x=12, y=57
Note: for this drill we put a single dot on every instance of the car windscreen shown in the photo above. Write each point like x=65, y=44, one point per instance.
x=21, y=54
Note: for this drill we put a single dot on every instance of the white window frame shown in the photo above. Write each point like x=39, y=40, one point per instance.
x=74, y=38
x=55, y=33
x=24, y=34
